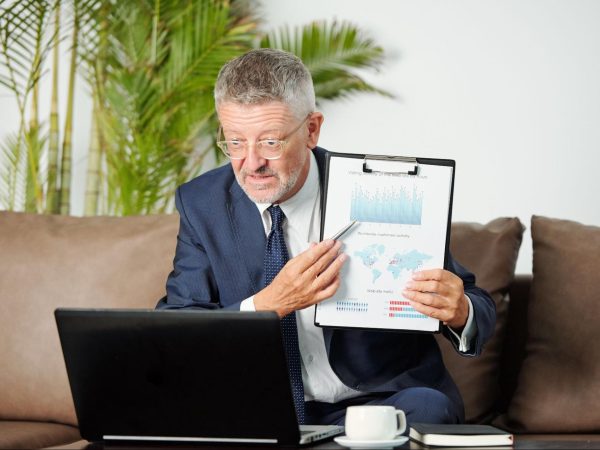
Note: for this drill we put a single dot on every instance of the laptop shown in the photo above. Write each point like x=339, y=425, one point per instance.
x=181, y=376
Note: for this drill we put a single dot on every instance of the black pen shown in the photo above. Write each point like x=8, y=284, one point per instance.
x=343, y=231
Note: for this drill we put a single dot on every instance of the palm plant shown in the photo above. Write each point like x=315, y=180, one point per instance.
x=150, y=66
x=163, y=58
x=331, y=51
x=32, y=155
x=24, y=42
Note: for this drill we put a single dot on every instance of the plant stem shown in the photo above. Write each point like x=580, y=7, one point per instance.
x=92, y=190
x=14, y=173
x=52, y=191
x=65, y=173
x=33, y=191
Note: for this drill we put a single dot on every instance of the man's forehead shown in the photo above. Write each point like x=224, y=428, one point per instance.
x=271, y=114
x=245, y=108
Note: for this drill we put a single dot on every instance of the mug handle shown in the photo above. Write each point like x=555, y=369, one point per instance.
x=402, y=419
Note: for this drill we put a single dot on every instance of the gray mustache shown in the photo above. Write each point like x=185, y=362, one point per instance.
x=264, y=170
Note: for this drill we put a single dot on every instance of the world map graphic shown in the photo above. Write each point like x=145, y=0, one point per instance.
x=375, y=258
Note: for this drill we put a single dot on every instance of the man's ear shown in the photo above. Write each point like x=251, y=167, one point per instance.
x=314, y=129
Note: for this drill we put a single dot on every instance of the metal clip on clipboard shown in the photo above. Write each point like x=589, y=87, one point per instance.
x=411, y=166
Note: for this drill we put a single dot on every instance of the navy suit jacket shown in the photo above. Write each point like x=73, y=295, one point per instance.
x=219, y=263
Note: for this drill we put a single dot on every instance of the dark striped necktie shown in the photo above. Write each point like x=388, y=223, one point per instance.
x=276, y=255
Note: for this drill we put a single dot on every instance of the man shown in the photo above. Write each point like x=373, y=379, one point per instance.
x=241, y=222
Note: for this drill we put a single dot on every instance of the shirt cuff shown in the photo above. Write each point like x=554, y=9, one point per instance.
x=468, y=332
x=248, y=304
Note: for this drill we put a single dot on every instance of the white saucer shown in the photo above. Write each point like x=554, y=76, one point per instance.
x=347, y=442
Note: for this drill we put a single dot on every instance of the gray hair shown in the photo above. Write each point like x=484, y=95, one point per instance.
x=266, y=75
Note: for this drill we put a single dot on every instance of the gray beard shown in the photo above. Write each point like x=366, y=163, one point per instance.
x=280, y=192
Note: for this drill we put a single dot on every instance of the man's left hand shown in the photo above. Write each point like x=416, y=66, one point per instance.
x=439, y=294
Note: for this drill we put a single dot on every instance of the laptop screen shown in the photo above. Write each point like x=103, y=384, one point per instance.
x=178, y=374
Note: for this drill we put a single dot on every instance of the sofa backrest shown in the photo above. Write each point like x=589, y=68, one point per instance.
x=558, y=385
x=490, y=251
x=54, y=261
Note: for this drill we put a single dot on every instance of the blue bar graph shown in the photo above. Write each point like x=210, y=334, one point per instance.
x=391, y=205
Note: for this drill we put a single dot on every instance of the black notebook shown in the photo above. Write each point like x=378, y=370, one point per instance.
x=460, y=435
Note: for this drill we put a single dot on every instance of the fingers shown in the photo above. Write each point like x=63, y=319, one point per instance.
x=305, y=280
x=330, y=290
x=309, y=257
x=431, y=305
x=437, y=293
x=436, y=281
x=323, y=275
x=433, y=286
x=327, y=276
x=323, y=262
x=310, y=263
x=430, y=311
x=430, y=274
x=424, y=298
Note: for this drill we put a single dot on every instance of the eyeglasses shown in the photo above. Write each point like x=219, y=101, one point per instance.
x=266, y=148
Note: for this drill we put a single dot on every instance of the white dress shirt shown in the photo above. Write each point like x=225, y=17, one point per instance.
x=303, y=213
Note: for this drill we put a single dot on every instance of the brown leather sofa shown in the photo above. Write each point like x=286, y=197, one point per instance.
x=540, y=373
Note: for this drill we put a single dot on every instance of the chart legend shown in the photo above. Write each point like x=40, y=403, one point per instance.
x=351, y=306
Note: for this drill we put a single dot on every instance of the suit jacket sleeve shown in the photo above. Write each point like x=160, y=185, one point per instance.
x=484, y=310
x=191, y=284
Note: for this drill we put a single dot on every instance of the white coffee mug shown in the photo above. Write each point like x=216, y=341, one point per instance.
x=374, y=422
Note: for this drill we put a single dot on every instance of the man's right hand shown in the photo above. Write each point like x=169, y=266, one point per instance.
x=307, y=279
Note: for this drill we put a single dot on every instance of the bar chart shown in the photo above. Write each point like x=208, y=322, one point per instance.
x=397, y=205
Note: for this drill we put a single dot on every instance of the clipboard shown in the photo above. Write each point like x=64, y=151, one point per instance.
x=403, y=209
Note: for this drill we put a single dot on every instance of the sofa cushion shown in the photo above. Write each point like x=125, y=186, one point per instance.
x=559, y=383
x=489, y=251
x=53, y=261
x=19, y=434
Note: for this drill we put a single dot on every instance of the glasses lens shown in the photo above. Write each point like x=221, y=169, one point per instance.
x=269, y=148
x=233, y=149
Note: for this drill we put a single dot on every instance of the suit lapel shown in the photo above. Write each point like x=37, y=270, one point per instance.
x=249, y=235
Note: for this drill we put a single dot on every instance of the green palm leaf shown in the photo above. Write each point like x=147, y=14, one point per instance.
x=35, y=143
x=161, y=63
x=10, y=152
x=24, y=43
x=332, y=52
x=150, y=66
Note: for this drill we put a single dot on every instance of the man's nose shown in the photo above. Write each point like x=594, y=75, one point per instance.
x=253, y=160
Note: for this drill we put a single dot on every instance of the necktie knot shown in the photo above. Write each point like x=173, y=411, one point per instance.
x=277, y=217
x=276, y=253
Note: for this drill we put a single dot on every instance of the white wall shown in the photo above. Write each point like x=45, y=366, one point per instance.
x=508, y=88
